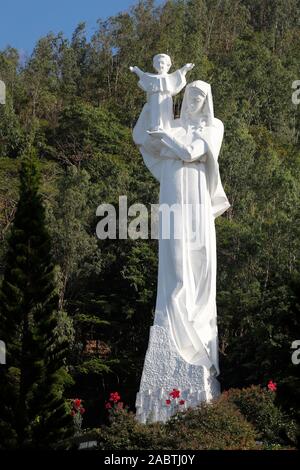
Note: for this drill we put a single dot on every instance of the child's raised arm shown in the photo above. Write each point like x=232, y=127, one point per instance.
x=186, y=68
x=137, y=71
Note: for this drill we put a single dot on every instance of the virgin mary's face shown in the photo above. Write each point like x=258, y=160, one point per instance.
x=196, y=100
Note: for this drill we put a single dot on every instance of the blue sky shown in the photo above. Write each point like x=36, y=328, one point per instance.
x=23, y=22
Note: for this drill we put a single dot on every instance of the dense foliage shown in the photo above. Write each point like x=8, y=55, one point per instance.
x=33, y=412
x=258, y=405
x=75, y=102
x=217, y=426
x=236, y=421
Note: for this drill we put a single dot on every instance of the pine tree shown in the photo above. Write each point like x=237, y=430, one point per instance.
x=33, y=410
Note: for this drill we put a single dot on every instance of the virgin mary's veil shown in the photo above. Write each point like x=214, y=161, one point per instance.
x=212, y=134
x=207, y=110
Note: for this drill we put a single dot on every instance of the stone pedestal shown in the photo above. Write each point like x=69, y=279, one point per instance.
x=164, y=370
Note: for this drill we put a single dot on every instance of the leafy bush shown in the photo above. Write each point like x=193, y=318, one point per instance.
x=126, y=433
x=239, y=420
x=218, y=425
x=259, y=408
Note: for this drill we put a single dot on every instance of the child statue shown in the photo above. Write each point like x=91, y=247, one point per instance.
x=160, y=88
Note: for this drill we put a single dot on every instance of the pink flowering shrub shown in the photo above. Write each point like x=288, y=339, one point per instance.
x=114, y=404
x=77, y=410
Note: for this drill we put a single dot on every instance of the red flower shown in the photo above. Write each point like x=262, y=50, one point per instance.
x=107, y=405
x=82, y=410
x=115, y=397
x=182, y=402
x=272, y=386
x=120, y=405
x=168, y=402
x=175, y=393
x=77, y=402
x=73, y=413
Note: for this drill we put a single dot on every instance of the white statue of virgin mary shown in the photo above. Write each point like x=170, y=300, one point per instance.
x=183, y=346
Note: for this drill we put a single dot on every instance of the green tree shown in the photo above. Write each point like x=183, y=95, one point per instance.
x=33, y=411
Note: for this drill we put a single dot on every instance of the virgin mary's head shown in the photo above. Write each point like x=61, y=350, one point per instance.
x=197, y=103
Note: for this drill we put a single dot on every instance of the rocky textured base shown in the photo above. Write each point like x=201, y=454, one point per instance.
x=164, y=370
